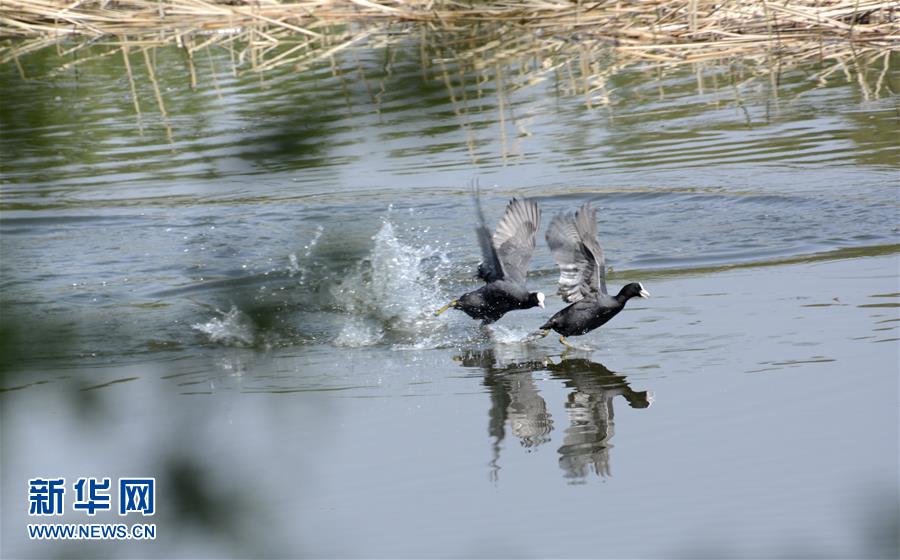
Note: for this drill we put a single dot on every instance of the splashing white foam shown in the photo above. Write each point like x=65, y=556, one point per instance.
x=425, y=342
x=233, y=328
x=357, y=333
x=400, y=288
x=396, y=286
x=294, y=267
x=509, y=335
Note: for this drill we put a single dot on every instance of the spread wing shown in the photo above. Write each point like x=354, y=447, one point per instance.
x=514, y=238
x=573, y=242
x=506, y=254
x=490, y=268
x=586, y=223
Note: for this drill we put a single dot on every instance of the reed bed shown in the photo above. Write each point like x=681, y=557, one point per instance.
x=577, y=40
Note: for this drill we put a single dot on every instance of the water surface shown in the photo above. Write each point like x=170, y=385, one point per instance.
x=236, y=299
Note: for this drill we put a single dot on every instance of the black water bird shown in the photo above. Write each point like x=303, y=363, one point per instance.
x=582, y=276
x=504, y=265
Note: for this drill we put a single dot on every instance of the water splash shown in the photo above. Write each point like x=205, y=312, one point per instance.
x=427, y=342
x=357, y=332
x=397, y=288
x=294, y=265
x=502, y=334
x=234, y=328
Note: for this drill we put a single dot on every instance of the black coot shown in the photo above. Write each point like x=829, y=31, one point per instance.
x=582, y=276
x=504, y=264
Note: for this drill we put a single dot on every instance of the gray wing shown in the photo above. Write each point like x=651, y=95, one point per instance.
x=586, y=223
x=573, y=242
x=490, y=268
x=514, y=238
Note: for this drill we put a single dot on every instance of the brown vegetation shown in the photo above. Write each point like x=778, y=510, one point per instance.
x=847, y=36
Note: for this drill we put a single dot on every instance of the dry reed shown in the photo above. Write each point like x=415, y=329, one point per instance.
x=558, y=37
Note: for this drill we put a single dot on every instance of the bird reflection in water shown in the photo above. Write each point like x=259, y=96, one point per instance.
x=586, y=443
x=515, y=398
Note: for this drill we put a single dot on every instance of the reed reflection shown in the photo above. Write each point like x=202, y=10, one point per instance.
x=516, y=400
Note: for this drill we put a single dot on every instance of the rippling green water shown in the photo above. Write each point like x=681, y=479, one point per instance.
x=235, y=297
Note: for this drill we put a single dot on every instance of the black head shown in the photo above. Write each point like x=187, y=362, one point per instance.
x=635, y=289
x=535, y=299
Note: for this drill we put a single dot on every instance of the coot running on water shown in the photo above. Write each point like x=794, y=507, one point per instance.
x=582, y=276
x=504, y=264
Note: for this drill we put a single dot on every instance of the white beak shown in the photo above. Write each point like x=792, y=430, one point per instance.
x=644, y=293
